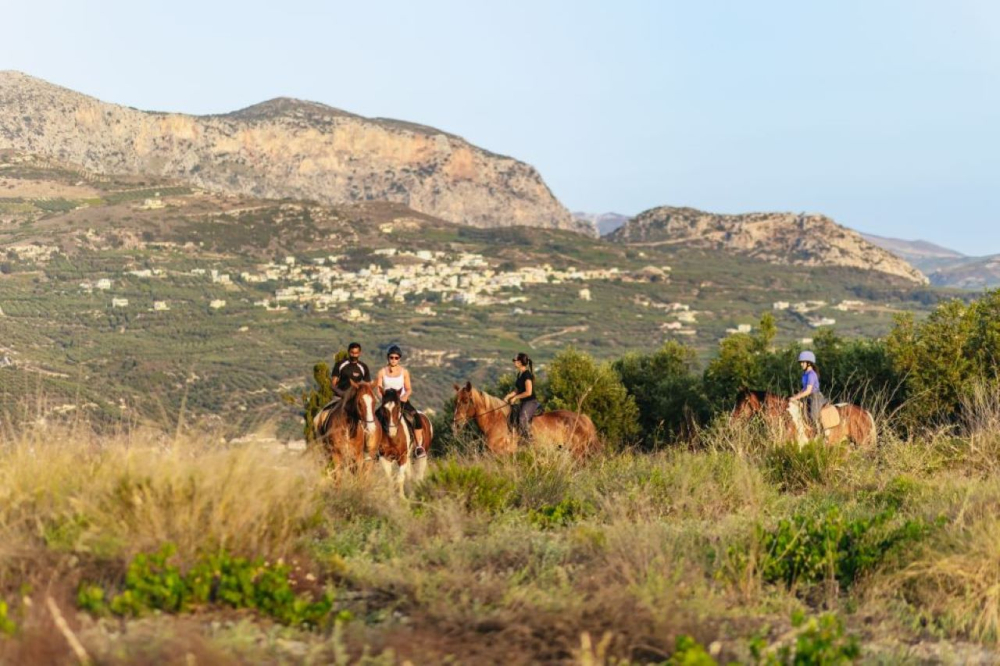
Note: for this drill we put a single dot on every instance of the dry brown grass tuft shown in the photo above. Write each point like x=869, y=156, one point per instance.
x=109, y=498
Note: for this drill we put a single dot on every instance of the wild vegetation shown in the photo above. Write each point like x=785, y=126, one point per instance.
x=689, y=539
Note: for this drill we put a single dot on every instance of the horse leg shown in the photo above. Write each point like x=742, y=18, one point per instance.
x=386, y=465
x=402, y=471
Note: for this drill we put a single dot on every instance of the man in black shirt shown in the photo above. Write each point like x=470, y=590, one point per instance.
x=348, y=370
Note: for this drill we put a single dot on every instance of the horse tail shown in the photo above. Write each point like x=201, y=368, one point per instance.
x=872, y=438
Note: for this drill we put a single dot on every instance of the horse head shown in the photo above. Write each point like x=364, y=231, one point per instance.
x=392, y=407
x=748, y=403
x=363, y=403
x=465, y=406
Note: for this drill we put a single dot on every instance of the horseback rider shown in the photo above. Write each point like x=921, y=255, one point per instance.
x=395, y=376
x=524, y=390
x=350, y=369
x=810, y=388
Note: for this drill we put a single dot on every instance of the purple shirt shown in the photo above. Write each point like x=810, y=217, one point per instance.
x=810, y=378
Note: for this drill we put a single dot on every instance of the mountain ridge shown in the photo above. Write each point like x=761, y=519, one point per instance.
x=778, y=238
x=282, y=147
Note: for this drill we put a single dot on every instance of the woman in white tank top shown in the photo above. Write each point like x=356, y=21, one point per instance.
x=395, y=376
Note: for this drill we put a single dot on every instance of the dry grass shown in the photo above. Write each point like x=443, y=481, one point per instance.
x=629, y=549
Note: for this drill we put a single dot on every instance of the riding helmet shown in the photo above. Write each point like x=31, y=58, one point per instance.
x=808, y=356
x=394, y=350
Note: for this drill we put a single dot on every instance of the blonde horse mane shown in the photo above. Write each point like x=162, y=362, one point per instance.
x=795, y=411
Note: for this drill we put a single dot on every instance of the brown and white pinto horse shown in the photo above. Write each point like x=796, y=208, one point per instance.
x=350, y=430
x=399, y=441
x=856, y=424
x=562, y=427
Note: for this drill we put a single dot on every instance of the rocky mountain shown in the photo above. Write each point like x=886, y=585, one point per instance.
x=779, y=238
x=605, y=223
x=282, y=148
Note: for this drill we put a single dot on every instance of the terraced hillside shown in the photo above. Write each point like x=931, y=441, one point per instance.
x=140, y=299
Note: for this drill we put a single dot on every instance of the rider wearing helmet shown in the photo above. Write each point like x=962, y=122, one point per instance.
x=395, y=376
x=810, y=387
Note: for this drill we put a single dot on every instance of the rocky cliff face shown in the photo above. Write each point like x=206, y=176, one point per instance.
x=282, y=148
x=779, y=238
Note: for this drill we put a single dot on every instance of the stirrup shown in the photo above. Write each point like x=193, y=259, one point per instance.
x=419, y=452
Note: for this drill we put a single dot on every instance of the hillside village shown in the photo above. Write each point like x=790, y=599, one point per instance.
x=427, y=278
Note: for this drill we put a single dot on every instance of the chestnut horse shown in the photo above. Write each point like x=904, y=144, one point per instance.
x=856, y=424
x=399, y=441
x=350, y=430
x=572, y=430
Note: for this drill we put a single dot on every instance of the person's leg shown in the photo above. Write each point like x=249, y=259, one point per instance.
x=528, y=409
x=815, y=405
x=411, y=412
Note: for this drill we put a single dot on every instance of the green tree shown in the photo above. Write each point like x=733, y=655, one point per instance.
x=740, y=364
x=936, y=360
x=577, y=382
x=666, y=391
x=321, y=393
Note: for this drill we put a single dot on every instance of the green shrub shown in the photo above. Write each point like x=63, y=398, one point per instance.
x=792, y=468
x=473, y=486
x=666, y=391
x=818, y=640
x=7, y=626
x=154, y=583
x=579, y=383
x=829, y=547
x=689, y=652
x=561, y=514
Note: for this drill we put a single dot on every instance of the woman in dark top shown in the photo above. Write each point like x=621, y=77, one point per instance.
x=524, y=390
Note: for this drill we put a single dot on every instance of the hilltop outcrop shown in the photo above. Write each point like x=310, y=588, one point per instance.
x=282, y=148
x=779, y=238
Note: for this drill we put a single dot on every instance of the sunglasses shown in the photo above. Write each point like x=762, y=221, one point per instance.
x=393, y=358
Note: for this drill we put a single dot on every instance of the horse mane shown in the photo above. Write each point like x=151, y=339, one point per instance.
x=390, y=395
x=488, y=402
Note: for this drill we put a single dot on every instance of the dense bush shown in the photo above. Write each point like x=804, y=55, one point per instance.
x=577, y=382
x=667, y=391
x=828, y=547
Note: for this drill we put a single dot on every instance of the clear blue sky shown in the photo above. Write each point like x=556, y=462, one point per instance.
x=882, y=114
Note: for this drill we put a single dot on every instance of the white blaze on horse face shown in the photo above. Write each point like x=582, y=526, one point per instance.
x=369, y=414
x=390, y=408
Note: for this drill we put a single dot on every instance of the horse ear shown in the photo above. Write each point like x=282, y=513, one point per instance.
x=468, y=386
x=457, y=389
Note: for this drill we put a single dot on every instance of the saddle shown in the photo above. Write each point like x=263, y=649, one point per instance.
x=829, y=416
x=514, y=417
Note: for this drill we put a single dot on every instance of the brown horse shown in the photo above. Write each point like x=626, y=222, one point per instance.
x=855, y=423
x=349, y=429
x=399, y=441
x=565, y=428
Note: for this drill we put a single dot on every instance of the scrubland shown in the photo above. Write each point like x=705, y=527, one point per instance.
x=148, y=548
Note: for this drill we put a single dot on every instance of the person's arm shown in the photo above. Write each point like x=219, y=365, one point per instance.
x=513, y=395
x=406, y=386
x=335, y=380
x=807, y=391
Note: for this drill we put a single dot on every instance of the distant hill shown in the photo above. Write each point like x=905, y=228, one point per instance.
x=605, y=223
x=142, y=297
x=972, y=273
x=945, y=267
x=282, y=148
x=778, y=238
x=927, y=257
